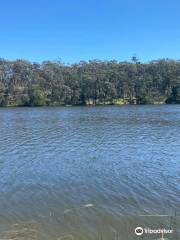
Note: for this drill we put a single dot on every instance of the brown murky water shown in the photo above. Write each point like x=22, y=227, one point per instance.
x=89, y=172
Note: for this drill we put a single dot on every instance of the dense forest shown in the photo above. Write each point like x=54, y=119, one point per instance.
x=89, y=83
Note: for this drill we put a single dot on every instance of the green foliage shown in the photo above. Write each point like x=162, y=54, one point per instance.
x=36, y=97
x=175, y=95
x=95, y=82
x=2, y=101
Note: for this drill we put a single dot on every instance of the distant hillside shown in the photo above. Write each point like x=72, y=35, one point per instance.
x=95, y=82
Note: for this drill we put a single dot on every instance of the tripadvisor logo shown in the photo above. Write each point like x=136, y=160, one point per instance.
x=140, y=231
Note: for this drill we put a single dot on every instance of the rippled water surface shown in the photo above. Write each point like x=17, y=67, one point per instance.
x=88, y=172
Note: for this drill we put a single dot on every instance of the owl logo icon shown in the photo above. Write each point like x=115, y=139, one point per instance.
x=139, y=231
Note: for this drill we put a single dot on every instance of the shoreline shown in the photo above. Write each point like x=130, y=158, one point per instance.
x=86, y=105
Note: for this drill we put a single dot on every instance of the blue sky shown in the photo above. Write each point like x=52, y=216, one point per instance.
x=75, y=30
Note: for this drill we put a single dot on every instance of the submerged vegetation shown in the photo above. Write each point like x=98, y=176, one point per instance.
x=89, y=83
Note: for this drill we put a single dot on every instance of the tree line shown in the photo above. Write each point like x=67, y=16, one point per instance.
x=53, y=83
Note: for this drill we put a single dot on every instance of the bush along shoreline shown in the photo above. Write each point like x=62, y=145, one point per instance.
x=95, y=82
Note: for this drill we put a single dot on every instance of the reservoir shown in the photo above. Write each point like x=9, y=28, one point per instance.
x=89, y=172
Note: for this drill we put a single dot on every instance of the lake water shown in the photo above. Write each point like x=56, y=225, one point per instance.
x=89, y=172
